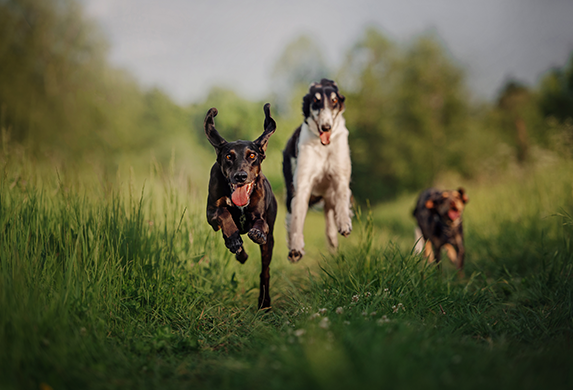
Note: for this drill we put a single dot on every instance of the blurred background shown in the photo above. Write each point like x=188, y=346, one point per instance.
x=438, y=93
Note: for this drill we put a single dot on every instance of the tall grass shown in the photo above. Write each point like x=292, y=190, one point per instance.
x=125, y=287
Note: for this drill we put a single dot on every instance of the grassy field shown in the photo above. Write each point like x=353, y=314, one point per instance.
x=126, y=286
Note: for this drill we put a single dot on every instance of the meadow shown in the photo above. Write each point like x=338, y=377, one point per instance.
x=124, y=285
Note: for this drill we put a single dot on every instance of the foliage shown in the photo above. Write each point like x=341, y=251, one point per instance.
x=556, y=93
x=414, y=94
x=59, y=95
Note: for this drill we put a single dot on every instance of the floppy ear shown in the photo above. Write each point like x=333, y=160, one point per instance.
x=341, y=99
x=269, y=125
x=212, y=134
x=306, y=101
x=465, y=197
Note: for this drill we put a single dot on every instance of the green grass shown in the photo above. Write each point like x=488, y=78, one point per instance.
x=130, y=288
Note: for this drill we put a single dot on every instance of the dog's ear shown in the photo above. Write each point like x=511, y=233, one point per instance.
x=306, y=102
x=212, y=134
x=341, y=100
x=465, y=197
x=269, y=125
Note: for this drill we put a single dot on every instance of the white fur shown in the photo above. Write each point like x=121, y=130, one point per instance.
x=322, y=170
x=420, y=242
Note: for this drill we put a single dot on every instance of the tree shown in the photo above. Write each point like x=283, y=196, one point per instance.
x=407, y=114
x=556, y=93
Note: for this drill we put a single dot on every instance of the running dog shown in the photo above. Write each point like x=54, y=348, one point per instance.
x=316, y=166
x=439, y=216
x=240, y=197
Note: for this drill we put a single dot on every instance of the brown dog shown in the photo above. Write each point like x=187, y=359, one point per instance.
x=240, y=199
x=439, y=216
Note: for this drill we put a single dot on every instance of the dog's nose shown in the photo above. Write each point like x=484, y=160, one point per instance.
x=241, y=177
x=326, y=127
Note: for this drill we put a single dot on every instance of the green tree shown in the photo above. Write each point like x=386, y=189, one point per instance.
x=556, y=92
x=407, y=114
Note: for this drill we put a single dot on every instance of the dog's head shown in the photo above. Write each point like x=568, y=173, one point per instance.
x=240, y=161
x=449, y=205
x=321, y=108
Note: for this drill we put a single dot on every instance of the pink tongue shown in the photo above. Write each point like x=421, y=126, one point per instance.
x=453, y=214
x=240, y=196
x=325, y=137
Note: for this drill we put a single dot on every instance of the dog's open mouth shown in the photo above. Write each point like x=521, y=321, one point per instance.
x=324, y=137
x=241, y=194
x=453, y=214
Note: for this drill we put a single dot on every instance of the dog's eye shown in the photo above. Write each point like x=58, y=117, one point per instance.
x=251, y=156
x=334, y=100
x=229, y=156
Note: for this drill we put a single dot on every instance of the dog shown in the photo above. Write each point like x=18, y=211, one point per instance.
x=241, y=200
x=317, y=166
x=439, y=217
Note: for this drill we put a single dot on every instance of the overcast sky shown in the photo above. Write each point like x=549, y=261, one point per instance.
x=187, y=46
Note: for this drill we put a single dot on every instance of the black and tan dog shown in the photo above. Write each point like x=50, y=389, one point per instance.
x=439, y=216
x=240, y=199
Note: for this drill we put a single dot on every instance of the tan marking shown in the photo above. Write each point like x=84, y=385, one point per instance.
x=429, y=252
x=451, y=252
x=429, y=204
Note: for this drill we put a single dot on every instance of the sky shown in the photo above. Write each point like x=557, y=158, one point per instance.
x=185, y=47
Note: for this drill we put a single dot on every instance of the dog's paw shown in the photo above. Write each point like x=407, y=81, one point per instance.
x=294, y=256
x=345, y=230
x=241, y=255
x=257, y=236
x=234, y=242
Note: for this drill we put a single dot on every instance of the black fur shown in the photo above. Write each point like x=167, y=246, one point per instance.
x=432, y=213
x=239, y=164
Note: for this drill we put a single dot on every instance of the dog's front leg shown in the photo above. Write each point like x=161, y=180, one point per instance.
x=461, y=255
x=220, y=217
x=299, y=210
x=258, y=233
x=342, y=206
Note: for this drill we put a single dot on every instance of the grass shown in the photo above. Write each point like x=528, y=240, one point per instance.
x=129, y=288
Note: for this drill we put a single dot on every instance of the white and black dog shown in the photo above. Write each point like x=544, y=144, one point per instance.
x=316, y=166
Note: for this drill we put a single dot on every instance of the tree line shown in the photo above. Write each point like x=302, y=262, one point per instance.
x=411, y=117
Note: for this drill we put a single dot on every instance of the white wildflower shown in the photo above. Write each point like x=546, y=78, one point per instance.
x=299, y=332
x=339, y=310
x=324, y=323
x=322, y=311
